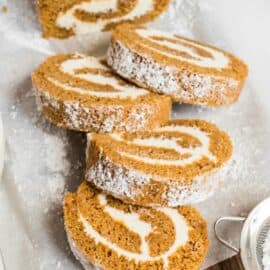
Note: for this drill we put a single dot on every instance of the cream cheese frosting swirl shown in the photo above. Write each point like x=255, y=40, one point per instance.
x=94, y=10
x=136, y=237
x=175, y=146
x=133, y=222
x=97, y=78
x=170, y=139
x=183, y=49
x=63, y=19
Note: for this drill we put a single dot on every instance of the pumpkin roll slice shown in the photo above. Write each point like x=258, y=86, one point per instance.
x=105, y=233
x=62, y=19
x=81, y=93
x=177, y=164
x=187, y=70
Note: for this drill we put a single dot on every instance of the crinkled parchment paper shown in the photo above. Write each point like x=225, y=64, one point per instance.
x=43, y=161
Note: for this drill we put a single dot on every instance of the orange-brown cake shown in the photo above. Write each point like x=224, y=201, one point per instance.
x=187, y=70
x=107, y=234
x=81, y=93
x=177, y=164
x=62, y=18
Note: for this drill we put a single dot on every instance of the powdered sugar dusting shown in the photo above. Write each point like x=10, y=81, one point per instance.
x=115, y=179
x=122, y=182
x=185, y=87
x=102, y=118
x=201, y=84
x=146, y=71
x=201, y=189
x=95, y=118
x=56, y=167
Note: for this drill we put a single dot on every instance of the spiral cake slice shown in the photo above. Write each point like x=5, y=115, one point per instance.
x=176, y=164
x=61, y=19
x=108, y=234
x=187, y=70
x=81, y=93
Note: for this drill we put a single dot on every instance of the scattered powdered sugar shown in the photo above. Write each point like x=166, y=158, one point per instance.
x=115, y=179
x=57, y=164
x=48, y=154
x=179, y=18
x=39, y=169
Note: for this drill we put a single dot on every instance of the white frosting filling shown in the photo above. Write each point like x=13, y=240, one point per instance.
x=70, y=66
x=218, y=59
x=133, y=222
x=194, y=153
x=69, y=21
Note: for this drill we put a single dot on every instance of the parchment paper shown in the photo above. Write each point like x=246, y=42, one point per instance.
x=43, y=161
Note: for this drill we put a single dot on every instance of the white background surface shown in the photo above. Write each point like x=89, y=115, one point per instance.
x=43, y=161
